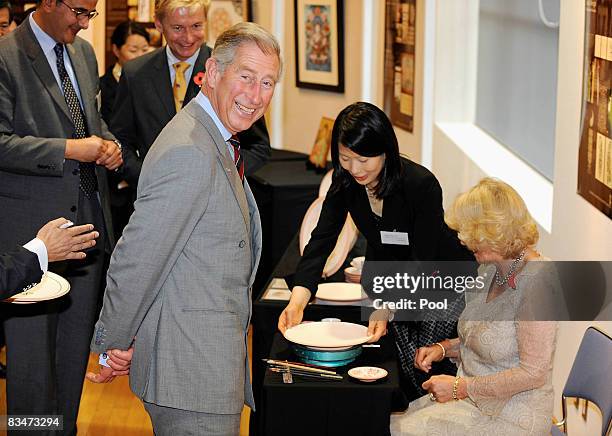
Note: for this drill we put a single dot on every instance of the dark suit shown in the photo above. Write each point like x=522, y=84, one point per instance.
x=108, y=91
x=145, y=104
x=18, y=269
x=121, y=199
x=415, y=207
x=47, y=343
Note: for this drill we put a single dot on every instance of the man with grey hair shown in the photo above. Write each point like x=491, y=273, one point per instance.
x=179, y=282
x=154, y=87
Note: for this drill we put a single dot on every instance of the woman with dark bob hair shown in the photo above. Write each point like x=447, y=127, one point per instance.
x=397, y=205
x=128, y=41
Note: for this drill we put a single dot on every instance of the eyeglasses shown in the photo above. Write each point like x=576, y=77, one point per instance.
x=81, y=13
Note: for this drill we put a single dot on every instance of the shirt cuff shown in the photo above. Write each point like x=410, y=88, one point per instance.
x=37, y=247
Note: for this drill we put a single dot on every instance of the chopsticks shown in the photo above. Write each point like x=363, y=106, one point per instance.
x=301, y=369
x=297, y=365
x=306, y=373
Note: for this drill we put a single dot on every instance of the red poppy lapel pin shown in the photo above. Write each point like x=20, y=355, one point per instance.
x=198, y=79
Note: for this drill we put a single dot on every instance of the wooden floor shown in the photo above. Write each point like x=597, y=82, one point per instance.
x=112, y=409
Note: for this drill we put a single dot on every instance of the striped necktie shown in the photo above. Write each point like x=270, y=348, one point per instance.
x=87, y=170
x=235, y=142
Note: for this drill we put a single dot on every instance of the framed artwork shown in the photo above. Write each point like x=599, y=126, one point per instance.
x=322, y=144
x=319, y=44
x=223, y=14
x=400, y=35
x=595, y=151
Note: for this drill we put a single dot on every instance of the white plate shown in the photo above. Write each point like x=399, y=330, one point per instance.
x=340, y=292
x=51, y=286
x=328, y=334
x=367, y=373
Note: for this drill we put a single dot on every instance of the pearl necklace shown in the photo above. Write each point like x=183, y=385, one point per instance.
x=499, y=281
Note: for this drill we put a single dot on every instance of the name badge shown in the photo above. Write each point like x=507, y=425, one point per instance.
x=394, y=238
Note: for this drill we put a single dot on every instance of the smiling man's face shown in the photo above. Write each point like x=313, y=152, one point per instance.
x=183, y=29
x=242, y=93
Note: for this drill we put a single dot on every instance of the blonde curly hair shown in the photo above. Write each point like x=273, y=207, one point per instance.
x=493, y=215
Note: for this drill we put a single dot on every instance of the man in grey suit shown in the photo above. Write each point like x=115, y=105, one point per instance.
x=53, y=162
x=179, y=282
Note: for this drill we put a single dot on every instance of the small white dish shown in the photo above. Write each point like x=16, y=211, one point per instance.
x=368, y=374
x=357, y=262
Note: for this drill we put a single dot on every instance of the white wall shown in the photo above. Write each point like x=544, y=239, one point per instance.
x=303, y=108
x=95, y=34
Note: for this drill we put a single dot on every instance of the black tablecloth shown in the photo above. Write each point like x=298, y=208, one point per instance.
x=277, y=155
x=283, y=189
x=349, y=407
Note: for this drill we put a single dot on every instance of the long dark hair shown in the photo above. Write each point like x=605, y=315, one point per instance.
x=365, y=129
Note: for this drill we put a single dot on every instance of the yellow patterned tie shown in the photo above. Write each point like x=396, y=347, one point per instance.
x=180, y=84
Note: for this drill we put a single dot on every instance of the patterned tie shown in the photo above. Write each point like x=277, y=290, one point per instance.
x=88, y=182
x=235, y=142
x=180, y=84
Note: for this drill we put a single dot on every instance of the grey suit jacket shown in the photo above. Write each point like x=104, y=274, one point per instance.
x=36, y=183
x=180, y=277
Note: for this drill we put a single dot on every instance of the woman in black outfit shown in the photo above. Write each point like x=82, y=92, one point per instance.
x=397, y=205
x=128, y=41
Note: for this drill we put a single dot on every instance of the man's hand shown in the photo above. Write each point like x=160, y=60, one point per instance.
x=85, y=149
x=111, y=157
x=119, y=362
x=69, y=243
x=104, y=376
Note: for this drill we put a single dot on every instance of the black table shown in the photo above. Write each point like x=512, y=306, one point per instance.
x=277, y=155
x=348, y=407
x=266, y=313
x=283, y=189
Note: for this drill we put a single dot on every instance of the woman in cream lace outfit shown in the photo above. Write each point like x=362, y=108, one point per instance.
x=503, y=384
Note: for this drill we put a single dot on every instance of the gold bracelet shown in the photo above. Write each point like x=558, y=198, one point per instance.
x=443, y=349
x=455, y=388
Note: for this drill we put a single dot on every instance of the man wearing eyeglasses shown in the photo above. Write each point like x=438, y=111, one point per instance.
x=54, y=152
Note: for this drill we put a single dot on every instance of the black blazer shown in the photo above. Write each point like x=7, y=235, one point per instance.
x=18, y=269
x=108, y=91
x=414, y=207
x=144, y=105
